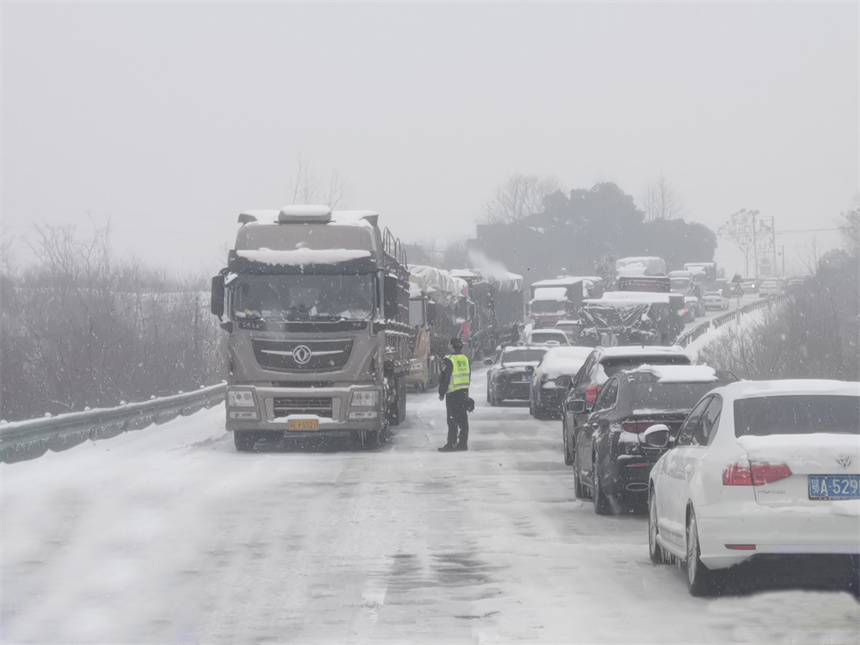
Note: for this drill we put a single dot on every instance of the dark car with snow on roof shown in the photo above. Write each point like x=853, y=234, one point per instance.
x=510, y=375
x=546, y=394
x=615, y=458
x=602, y=363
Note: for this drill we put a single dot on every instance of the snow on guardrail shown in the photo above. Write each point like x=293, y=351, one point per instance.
x=718, y=321
x=30, y=439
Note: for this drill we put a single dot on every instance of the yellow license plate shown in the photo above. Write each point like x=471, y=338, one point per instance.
x=304, y=424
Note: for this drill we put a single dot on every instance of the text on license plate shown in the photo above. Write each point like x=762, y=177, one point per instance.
x=834, y=487
x=304, y=424
x=527, y=377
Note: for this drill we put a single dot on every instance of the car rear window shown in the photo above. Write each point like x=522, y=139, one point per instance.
x=669, y=396
x=613, y=365
x=523, y=356
x=798, y=414
x=543, y=337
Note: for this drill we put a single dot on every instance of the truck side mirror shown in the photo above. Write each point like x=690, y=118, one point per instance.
x=216, y=303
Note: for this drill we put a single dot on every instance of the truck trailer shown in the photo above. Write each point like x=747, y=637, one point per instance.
x=437, y=306
x=315, y=303
x=556, y=299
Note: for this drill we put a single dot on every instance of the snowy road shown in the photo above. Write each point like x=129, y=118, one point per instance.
x=167, y=535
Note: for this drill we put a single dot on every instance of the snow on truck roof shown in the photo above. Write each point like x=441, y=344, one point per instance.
x=298, y=257
x=678, y=373
x=310, y=213
x=550, y=293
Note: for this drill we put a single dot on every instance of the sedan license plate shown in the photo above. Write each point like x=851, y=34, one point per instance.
x=834, y=487
x=304, y=424
x=527, y=377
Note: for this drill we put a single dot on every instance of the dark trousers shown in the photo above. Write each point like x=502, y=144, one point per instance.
x=458, y=416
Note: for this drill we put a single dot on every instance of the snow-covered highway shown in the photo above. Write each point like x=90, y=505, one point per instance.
x=168, y=535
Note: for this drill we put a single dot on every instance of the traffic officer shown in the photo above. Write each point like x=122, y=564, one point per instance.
x=454, y=388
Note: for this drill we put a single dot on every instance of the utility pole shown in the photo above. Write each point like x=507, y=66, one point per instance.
x=773, y=245
x=755, y=247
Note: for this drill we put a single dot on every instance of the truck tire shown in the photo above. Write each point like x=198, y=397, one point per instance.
x=244, y=440
x=397, y=404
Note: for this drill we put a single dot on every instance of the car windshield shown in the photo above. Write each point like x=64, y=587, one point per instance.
x=798, y=414
x=304, y=297
x=523, y=356
x=545, y=337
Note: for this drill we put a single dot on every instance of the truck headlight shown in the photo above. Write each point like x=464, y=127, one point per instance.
x=240, y=399
x=364, y=399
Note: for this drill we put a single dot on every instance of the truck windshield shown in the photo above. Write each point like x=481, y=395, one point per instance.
x=547, y=306
x=304, y=297
x=680, y=284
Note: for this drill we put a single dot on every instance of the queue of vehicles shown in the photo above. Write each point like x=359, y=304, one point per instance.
x=326, y=325
x=717, y=463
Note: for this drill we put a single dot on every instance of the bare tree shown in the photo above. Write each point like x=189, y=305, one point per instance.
x=519, y=197
x=661, y=201
x=849, y=225
x=746, y=232
x=310, y=188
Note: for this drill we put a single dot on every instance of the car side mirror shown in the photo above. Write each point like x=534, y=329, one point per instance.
x=488, y=361
x=657, y=436
x=577, y=407
x=563, y=382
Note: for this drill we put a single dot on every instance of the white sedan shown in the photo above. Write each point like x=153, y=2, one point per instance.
x=767, y=467
x=715, y=300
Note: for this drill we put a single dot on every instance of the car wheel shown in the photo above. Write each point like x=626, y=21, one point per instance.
x=658, y=556
x=600, y=499
x=700, y=580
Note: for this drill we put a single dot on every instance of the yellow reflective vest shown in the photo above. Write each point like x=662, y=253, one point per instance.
x=460, y=374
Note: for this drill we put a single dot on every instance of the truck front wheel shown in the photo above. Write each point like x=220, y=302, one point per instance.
x=244, y=440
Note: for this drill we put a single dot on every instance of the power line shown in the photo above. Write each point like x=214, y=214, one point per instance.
x=808, y=230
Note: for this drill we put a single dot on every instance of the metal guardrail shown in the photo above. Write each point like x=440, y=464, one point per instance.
x=23, y=440
x=718, y=321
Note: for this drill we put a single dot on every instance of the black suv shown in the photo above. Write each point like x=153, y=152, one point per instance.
x=599, y=366
x=613, y=460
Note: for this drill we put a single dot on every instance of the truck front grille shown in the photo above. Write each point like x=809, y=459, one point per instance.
x=301, y=355
x=285, y=406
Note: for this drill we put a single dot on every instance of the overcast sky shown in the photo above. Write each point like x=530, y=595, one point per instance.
x=170, y=119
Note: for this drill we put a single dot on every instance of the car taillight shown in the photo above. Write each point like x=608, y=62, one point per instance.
x=756, y=475
x=591, y=393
